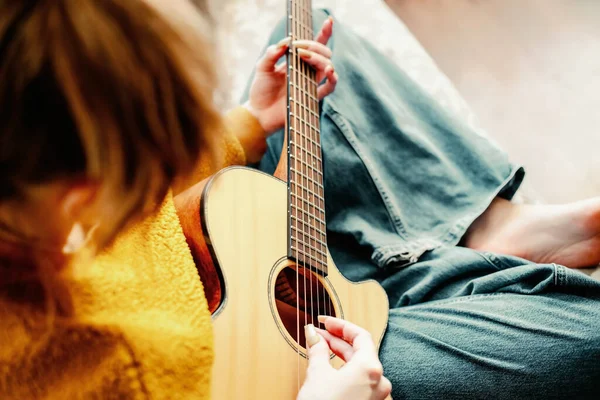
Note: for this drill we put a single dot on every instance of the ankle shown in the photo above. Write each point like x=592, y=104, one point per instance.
x=498, y=216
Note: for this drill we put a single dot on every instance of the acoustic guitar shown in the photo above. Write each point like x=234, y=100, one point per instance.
x=262, y=253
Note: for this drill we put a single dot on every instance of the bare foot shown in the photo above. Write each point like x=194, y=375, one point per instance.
x=563, y=234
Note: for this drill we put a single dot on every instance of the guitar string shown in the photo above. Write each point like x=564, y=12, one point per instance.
x=302, y=149
x=310, y=34
x=300, y=174
x=310, y=151
x=315, y=146
x=305, y=105
x=292, y=63
x=328, y=307
x=313, y=123
x=319, y=183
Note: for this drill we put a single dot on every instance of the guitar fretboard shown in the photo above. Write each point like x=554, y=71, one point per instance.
x=306, y=201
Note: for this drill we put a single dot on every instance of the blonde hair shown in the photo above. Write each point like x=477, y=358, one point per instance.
x=116, y=91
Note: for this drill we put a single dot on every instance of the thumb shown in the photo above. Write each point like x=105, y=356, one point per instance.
x=318, y=349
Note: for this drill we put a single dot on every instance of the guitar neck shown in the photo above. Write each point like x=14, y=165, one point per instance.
x=307, y=230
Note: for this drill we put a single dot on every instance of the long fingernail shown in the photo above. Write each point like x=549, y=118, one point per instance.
x=284, y=42
x=301, y=44
x=312, y=337
x=304, y=53
x=322, y=318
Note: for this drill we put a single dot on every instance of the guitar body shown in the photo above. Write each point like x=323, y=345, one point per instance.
x=245, y=220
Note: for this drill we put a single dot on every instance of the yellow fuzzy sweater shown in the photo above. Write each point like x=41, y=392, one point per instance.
x=142, y=329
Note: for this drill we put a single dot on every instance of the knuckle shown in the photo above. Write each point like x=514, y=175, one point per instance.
x=375, y=371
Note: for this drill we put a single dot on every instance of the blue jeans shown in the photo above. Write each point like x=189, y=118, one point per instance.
x=403, y=182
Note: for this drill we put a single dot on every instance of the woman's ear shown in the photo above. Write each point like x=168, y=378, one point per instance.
x=77, y=202
x=78, y=206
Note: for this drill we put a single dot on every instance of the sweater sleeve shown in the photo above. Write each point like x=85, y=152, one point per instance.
x=242, y=140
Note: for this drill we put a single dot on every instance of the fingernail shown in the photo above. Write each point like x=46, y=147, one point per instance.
x=322, y=318
x=301, y=44
x=312, y=337
x=331, y=20
x=336, y=76
x=284, y=42
x=304, y=53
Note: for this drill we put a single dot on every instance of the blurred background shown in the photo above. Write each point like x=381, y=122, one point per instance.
x=530, y=70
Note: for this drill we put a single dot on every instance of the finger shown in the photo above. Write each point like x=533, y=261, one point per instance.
x=272, y=55
x=318, y=349
x=384, y=388
x=326, y=31
x=339, y=347
x=358, y=337
x=313, y=46
x=281, y=68
x=329, y=86
x=317, y=61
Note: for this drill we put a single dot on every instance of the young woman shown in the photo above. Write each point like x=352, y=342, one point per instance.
x=105, y=106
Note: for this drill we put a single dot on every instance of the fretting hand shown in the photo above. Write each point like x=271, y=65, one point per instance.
x=361, y=378
x=268, y=93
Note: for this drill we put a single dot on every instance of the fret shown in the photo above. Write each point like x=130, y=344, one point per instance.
x=316, y=184
x=298, y=217
x=321, y=253
x=300, y=200
x=301, y=145
x=307, y=224
x=311, y=140
x=302, y=227
x=311, y=209
x=303, y=239
x=305, y=123
x=309, y=262
x=297, y=198
x=303, y=140
x=303, y=244
x=315, y=170
x=302, y=163
x=310, y=198
x=319, y=220
x=306, y=109
x=300, y=120
x=310, y=113
x=309, y=251
x=298, y=238
x=303, y=247
x=310, y=161
x=315, y=191
x=309, y=95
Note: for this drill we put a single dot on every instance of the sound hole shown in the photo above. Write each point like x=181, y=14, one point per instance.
x=300, y=298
